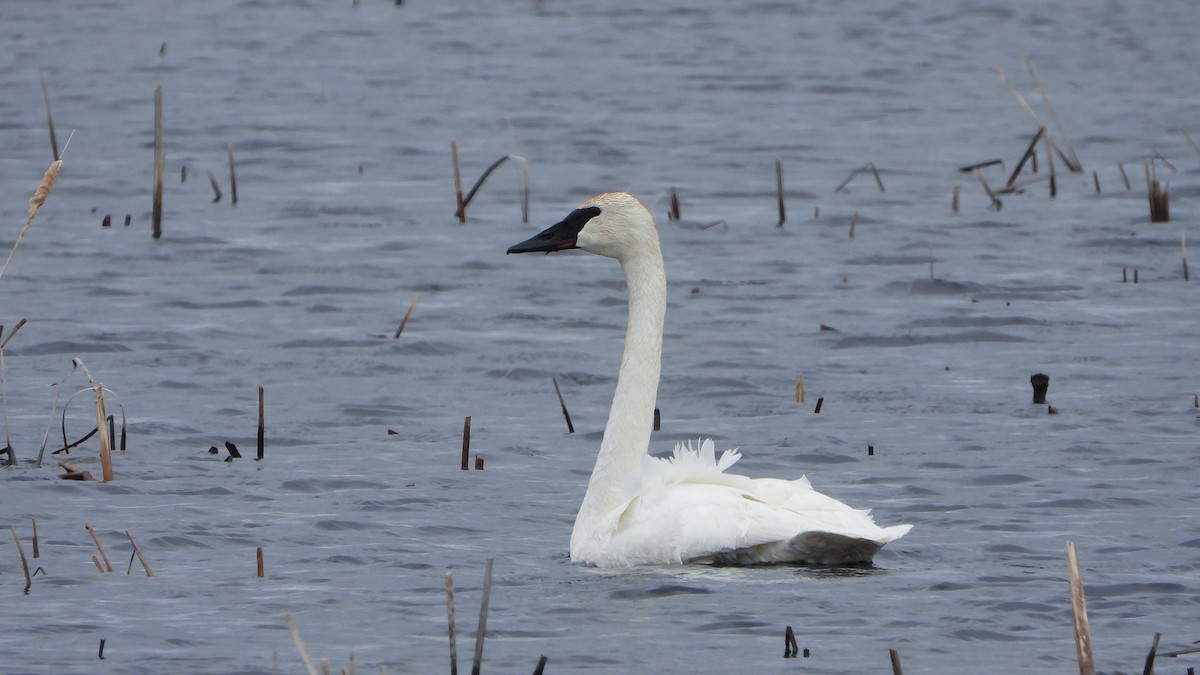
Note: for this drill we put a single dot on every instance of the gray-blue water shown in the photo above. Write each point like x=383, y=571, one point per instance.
x=341, y=119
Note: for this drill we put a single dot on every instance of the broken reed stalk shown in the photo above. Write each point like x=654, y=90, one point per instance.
x=779, y=195
x=295, y=631
x=1030, y=152
x=853, y=222
x=790, y=649
x=1050, y=148
x=1189, y=140
x=673, y=204
x=35, y=539
x=1083, y=634
x=563, y=405
x=466, y=444
x=820, y=402
x=1160, y=202
x=875, y=172
x=24, y=562
x=262, y=424
x=232, y=177
x=897, y=669
x=1071, y=159
x=1149, y=667
x=524, y=189
x=450, y=623
x=159, y=164
x=1096, y=180
x=996, y=204
x=483, y=612
x=35, y=203
x=541, y=665
x=212, y=180
x=478, y=184
x=461, y=209
x=102, y=432
x=258, y=555
x=954, y=199
x=1183, y=250
x=50, y=116
x=138, y=552
x=92, y=531
x=403, y=322
x=800, y=389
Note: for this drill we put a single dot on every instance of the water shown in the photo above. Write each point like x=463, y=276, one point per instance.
x=341, y=119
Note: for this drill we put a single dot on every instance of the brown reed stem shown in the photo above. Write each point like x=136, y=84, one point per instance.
x=466, y=441
x=1096, y=180
x=212, y=180
x=897, y=669
x=262, y=423
x=541, y=665
x=478, y=463
x=996, y=203
x=800, y=389
x=24, y=562
x=258, y=555
x=954, y=199
x=403, y=322
x=1071, y=159
x=875, y=172
x=820, y=402
x=1050, y=166
x=50, y=116
x=96, y=562
x=779, y=194
x=1189, y=140
x=232, y=177
x=1083, y=634
x=450, y=623
x=36, y=555
x=478, y=184
x=1149, y=667
x=790, y=649
x=105, y=439
x=853, y=222
x=159, y=164
x=92, y=531
x=562, y=404
x=1030, y=153
x=673, y=204
x=481, y=632
x=138, y=552
x=461, y=209
x=295, y=631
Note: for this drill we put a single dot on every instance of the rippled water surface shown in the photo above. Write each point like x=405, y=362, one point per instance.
x=919, y=332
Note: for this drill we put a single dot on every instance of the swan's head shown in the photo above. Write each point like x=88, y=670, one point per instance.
x=613, y=224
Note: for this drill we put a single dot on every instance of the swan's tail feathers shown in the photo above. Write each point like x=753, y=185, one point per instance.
x=893, y=533
x=703, y=455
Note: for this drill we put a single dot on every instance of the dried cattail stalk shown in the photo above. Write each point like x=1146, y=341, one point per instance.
x=92, y=531
x=261, y=567
x=1083, y=634
x=102, y=432
x=1071, y=159
x=39, y=198
x=779, y=195
x=461, y=209
x=403, y=322
x=450, y=623
x=24, y=562
x=35, y=539
x=261, y=423
x=466, y=441
x=295, y=631
x=800, y=389
x=159, y=163
x=138, y=552
x=232, y=177
x=1030, y=153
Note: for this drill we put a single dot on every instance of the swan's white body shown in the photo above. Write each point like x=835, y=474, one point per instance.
x=640, y=509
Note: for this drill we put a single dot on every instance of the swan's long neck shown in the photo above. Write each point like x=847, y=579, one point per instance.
x=631, y=419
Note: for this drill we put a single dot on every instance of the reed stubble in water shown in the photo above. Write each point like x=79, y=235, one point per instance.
x=1083, y=634
x=262, y=425
x=95, y=538
x=779, y=194
x=562, y=404
x=137, y=550
x=232, y=177
x=24, y=562
x=159, y=165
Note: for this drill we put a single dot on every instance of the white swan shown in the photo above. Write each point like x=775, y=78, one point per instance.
x=640, y=509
